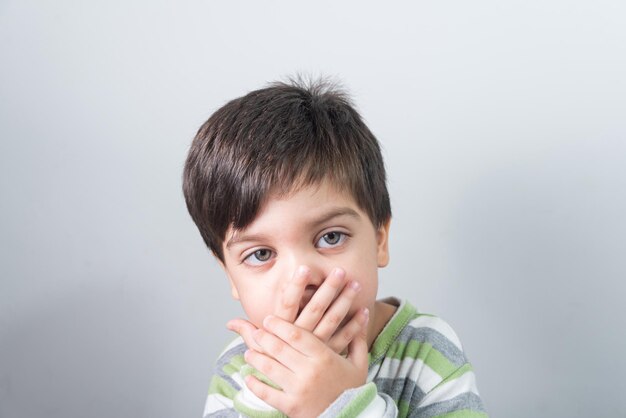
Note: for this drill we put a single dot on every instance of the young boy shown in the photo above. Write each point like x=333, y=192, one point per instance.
x=287, y=187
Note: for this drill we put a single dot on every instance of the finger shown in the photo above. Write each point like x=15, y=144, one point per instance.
x=342, y=338
x=321, y=300
x=296, y=338
x=281, y=350
x=271, y=368
x=337, y=312
x=265, y=392
x=358, y=350
x=246, y=330
x=289, y=303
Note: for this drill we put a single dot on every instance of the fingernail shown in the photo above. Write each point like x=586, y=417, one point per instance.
x=340, y=273
x=356, y=286
x=230, y=326
x=266, y=321
x=366, y=312
x=302, y=271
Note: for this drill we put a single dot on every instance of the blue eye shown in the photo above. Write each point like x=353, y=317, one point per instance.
x=258, y=257
x=331, y=239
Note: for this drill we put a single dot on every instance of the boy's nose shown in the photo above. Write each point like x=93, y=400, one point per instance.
x=318, y=270
x=316, y=276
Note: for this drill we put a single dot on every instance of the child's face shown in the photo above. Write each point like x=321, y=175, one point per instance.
x=318, y=227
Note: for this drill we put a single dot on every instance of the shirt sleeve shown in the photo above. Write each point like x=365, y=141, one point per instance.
x=456, y=396
x=228, y=395
x=362, y=402
x=423, y=373
x=446, y=376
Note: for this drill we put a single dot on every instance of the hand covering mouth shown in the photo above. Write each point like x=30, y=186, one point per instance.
x=309, y=291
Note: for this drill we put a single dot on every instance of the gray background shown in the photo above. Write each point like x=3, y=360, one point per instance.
x=505, y=140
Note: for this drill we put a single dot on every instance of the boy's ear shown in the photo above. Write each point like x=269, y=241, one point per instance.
x=233, y=289
x=382, y=238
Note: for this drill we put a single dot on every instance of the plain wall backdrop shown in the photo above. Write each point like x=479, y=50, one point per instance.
x=503, y=129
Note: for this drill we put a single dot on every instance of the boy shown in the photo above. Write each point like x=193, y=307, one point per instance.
x=287, y=187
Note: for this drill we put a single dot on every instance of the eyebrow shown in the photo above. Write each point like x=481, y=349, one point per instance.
x=331, y=214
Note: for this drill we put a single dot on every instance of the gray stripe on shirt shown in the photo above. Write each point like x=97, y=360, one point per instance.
x=436, y=339
x=227, y=356
x=223, y=413
x=402, y=389
x=466, y=400
x=225, y=360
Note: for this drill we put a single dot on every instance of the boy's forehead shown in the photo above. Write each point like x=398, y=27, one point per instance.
x=310, y=206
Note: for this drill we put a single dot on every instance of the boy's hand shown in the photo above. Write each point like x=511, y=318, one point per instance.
x=311, y=374
x=322, y=315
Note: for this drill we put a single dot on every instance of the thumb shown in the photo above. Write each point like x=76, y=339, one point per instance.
x=357, y=349
x=245, y=329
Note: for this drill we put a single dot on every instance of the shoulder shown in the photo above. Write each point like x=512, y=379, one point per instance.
x=231, y=357
x=428, y=338
x=446, y=378
x=408, y=325
x=234, y=348
x=226, y=378
x=427, y=357
x=420, y=346
x=437, y=334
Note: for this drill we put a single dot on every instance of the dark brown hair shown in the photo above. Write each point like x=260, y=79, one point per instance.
x=274, y=141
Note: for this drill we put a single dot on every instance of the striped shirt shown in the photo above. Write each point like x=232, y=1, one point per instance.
x=417, y=368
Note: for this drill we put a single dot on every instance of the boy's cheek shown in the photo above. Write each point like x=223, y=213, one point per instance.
x=256, y=304
x=256, y=317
